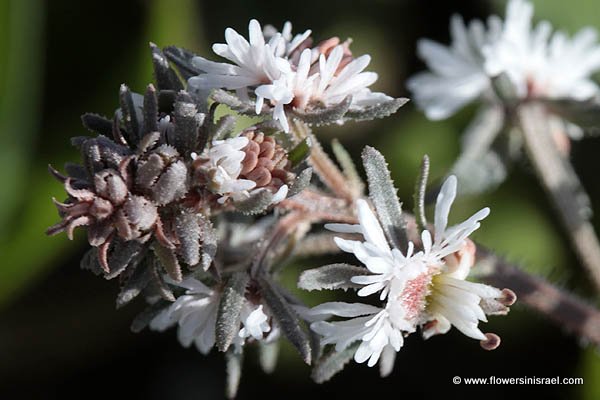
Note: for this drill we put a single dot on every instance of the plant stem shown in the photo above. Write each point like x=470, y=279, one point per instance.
x=562, y=185
x=562, y=308
x=327, y=171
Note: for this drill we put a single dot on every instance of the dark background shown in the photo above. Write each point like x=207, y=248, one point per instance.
x=60, y=336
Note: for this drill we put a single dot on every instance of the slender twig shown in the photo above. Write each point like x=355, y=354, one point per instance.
x=327, y=171
x=564, y=309
x=562, y=185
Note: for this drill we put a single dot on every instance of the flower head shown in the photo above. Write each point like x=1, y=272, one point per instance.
x=537, y=62
x=424, y=288
x=283, y=72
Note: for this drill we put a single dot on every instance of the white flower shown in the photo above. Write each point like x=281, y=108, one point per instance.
x=196, y=314
x=457, y=74
x=426, y=288
x=448, y=240
x=254, y=61
x=384, y=263
x=372, y=325
x=223, y=161
x=541, y=65
x=537, y=63
x=254, y=321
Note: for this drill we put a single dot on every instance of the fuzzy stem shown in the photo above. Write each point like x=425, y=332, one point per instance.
x=564, y=309
x=327, y=171
x=562, y=185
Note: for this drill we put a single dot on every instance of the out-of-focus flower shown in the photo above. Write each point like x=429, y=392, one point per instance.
x=537, y=62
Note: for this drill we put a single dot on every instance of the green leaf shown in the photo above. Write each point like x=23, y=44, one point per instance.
x=230, y=306
x=383, y=194
x=330, y=277
x=286, y=318
x=332, y=363
x=300, y=152
x=187, y=123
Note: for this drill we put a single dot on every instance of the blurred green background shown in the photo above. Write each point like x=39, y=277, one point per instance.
x=60, y=336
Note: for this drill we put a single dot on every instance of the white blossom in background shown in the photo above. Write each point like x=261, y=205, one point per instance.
x=426, y=288
x=195, y=314
x=457, y=73
x=282, y=70
x=537, y=62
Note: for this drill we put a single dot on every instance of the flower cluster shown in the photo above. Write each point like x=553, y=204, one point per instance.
x=282, y=71
x=538, y=64
x=425, y=288
x=197, y=218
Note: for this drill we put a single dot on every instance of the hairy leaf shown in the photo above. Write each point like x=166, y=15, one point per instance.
x=324, y=116
x=230, y=306
x=122, y=254
x=301, y=182
x=91, y=263
x=129, y=115
x=286, y=317
x=164, y=75
x=332, y=363
x=182, y=59
x=383, y=194
x=97, y=124
x=143, y=319
x=257, y=203
x=233, y=367
x=232, y=101
x=209, y=242
x=150, y=110
x=330, y=277
x=188, y=232
x=139, y=279
x=187, y=123
x=159, y=283
x=381, y=110
x=168, y=260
